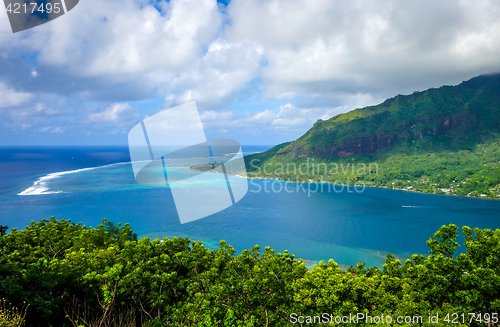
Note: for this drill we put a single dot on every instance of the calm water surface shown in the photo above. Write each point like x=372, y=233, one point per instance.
x=312, y=224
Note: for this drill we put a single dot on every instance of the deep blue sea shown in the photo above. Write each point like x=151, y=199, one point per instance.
x=314, y=224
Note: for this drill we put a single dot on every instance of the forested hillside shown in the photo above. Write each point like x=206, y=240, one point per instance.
x=444, y=140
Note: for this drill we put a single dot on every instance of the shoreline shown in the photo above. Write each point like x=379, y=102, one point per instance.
x=377, y=187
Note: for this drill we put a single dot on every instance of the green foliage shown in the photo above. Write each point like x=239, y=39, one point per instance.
x=117, y=232
x=421, y=286
x=447, y=244
x=254, y=160
x=71, y=274
x=34, y=265
x=450, y=116
x=443, y=141
x=11, y=316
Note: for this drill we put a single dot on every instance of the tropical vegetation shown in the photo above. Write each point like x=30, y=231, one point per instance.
x=67, y=274
x=444, y=140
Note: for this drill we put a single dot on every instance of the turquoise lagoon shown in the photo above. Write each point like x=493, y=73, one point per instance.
x=310, y=220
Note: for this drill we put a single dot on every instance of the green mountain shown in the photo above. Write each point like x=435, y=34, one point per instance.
x=444, y=140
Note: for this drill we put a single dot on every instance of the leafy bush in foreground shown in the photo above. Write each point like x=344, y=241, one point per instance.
x=70, y=274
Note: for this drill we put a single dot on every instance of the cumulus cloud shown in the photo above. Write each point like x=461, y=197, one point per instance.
x=40, y=107
x=288, y=118
x=11, y=98
x=213, y=80
x=328, y=48
x=120, y=38
x=118, y=113
x=306, y=59
x=52, y=129
x=114, y=118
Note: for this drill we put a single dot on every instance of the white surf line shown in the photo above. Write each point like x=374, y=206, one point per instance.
x=40, y=185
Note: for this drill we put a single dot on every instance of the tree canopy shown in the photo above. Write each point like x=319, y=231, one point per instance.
x=70, y=274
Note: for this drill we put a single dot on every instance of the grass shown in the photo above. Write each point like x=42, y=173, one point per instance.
x=11, y=316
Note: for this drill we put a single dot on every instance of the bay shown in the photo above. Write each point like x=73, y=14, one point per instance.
x=312, y=221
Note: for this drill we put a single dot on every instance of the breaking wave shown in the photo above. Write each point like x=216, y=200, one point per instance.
x=40, y=186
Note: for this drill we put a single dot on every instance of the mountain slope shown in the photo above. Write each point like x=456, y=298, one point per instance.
x=449, y=131
x=263, y=156
x=459, y=115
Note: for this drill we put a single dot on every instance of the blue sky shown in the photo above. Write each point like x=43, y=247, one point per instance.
x=261, y=72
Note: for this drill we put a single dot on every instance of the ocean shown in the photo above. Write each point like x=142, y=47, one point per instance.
x=87, y=184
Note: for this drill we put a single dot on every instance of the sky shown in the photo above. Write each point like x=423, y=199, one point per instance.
x=260, y=71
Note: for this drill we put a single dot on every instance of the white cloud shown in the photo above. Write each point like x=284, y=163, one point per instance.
x=118, y=114
x=120, y=38
x=46, y=108
x=191, y=50
x=321, y=57
x=214, y=79
x=262, y=117
x=326, y=48
x=215, y=116
x=177, y=52
x=52, y=129
x=286, y=118
x=11, y=98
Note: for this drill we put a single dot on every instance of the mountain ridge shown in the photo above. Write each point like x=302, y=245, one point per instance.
x=369, y=130
x=455, y=128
